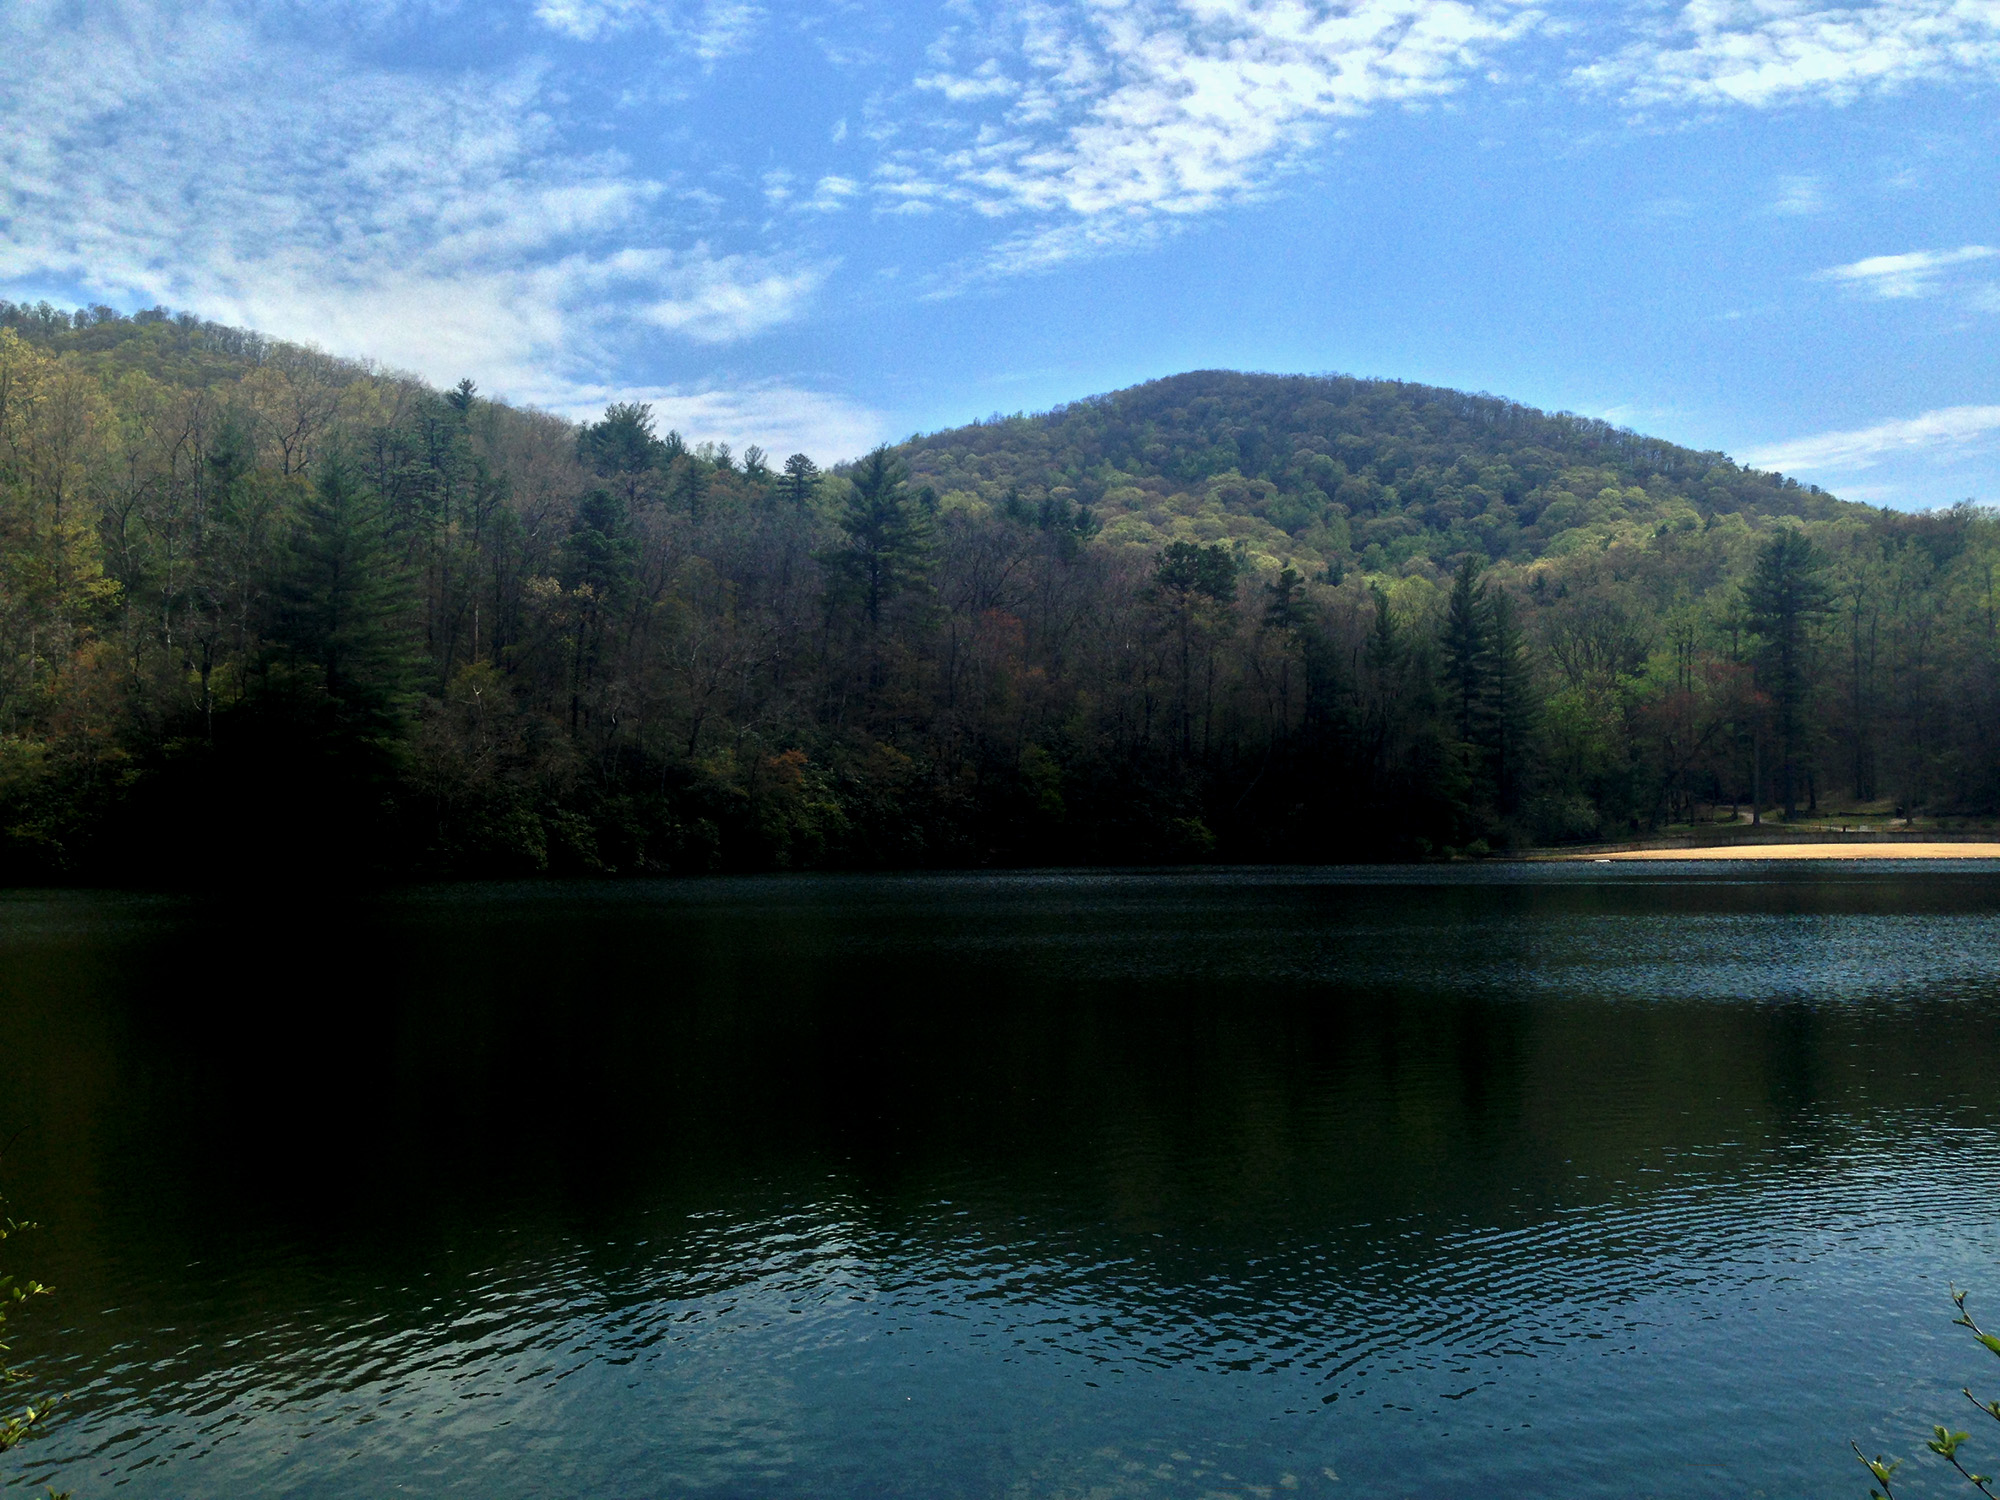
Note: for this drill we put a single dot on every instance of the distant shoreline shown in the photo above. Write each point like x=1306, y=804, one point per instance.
x=1883, y=849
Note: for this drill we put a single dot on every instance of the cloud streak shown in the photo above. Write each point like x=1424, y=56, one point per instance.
x=709, y=31
x=1933, y=432
x=441, y=225
x=1108, y=121
x=1765, y=53
x=1916, y=273
x=780, y=417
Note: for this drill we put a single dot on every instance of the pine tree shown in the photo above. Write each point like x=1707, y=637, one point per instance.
x=1468, y=647
x=1195, y=588
x=801, y=481
x=624, y=451
x=888, y=537
x=1510, y=705
x=342, y=629
x=1783, y=596
x=1485, y=667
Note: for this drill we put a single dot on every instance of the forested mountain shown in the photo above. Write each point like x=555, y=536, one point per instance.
x=268, y=613
x=1340, y=473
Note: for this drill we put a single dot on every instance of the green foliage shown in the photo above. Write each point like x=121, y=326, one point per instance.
x=1335, y=472
x=1783, y=597
x=801, y=481
x=17, y=1426
x=623, y=444
x=261, y=608
x=341, y=630
x=1186, y=574
x=888, y=536
x=1944, y=1442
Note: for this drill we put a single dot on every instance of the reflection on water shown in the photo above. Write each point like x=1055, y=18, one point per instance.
x=1576, y=1181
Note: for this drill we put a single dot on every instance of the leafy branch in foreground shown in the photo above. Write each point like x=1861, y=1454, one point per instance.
x=14, y=1293
x=1944, y=1442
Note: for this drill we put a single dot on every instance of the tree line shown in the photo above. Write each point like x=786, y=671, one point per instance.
x=262, y=610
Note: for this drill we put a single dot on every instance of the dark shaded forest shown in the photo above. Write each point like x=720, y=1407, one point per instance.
x=267, y=612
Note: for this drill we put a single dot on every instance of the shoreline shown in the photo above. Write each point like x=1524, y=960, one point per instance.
x=1886, y=849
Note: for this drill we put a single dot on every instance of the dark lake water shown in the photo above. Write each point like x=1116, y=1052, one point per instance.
x=1534, y=1181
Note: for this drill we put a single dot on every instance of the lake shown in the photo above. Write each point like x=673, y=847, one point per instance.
x=1531, y=1180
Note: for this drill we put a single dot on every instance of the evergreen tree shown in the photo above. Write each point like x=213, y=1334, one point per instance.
x=691, y=487
x=343, y=620
x=801, y=481
x=888, y=536
x=1783, y=597
x=599, y=553
x=622, y=443
x=599, y=563
x=1485, y=667
x=1510, y=705
x=1468, y=647
x=624, y=451
x=1194, y=587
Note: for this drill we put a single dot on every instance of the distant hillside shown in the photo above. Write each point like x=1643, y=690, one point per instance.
x=266, y=613
x=175, y=348
x=1333, y=471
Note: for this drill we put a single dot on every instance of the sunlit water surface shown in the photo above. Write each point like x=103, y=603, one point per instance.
x=1528, y=1181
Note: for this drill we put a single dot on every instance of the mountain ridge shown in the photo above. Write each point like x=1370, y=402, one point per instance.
x=1319, y=469
x=260, y=606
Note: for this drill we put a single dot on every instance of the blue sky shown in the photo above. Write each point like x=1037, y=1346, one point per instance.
x=1766, y=226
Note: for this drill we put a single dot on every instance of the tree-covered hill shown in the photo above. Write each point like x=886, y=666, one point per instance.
x=266, y=612
x=1337, y=472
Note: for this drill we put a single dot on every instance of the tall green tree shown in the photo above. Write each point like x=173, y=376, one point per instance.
x=1484, y=659
x=599, y=569
x=624, y=451
x=1511, y=707
x=1783, y=599
x=801, y=481
x=888, y=533
x=1194, y=588
x=1468, y=648
x=343, y=626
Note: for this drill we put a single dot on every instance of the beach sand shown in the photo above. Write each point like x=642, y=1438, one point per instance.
x=1811, y=851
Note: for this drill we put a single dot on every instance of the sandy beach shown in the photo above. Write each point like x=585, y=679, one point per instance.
x=1988, y=850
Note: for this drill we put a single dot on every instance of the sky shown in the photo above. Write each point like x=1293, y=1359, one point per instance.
x=1770, y=227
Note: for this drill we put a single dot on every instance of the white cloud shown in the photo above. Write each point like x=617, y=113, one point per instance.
x=718, y=299
x=778, y=187
x=1771, y=52
x=1109, y=118
x=984, y=82
x=1799, y=197
x=710, y=30
x=180, y=155
x=778, y=417
x=829, y=195
x=1918, y=273
x=1944, y=431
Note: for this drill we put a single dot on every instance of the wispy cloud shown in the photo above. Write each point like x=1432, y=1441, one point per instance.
x=720, y=298
x=1941, y=431
x=1106, y=121
x=1916, y=273
x=440, y=224
x=778, y=417
x=710, y=30
x=1799, y=197
x=1771, y=52
x=829, y=195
